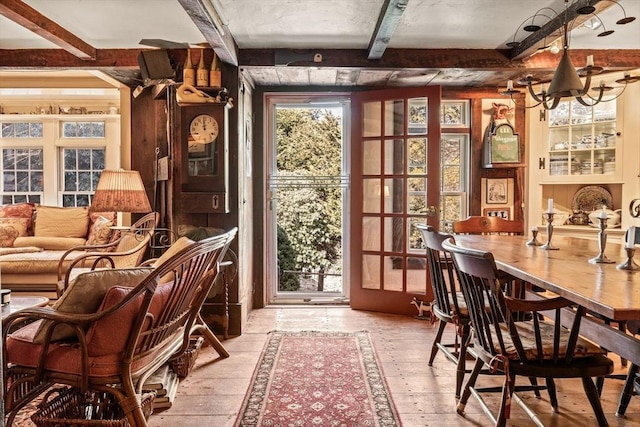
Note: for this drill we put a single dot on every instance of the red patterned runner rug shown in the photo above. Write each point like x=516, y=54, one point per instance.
x=318, y=379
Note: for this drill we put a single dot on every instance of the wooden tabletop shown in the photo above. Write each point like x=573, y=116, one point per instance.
x=602, y=288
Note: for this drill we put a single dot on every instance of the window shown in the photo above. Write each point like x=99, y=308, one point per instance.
x=22, y=170
x=81, y=169
x=454, y=146
x=83, y=129
x=22, y=130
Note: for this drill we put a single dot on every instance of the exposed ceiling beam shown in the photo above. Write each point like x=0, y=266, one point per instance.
x=388, y=20
x=471, y=59
x=26, y=16
x=217, y=34
x=553, y=29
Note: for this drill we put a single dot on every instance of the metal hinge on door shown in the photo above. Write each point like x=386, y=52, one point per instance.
x=432, y=211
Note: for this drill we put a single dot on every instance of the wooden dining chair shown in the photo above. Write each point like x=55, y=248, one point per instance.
x=632, y=379
x=488, y=225
x=448, y=305
x=537, y=347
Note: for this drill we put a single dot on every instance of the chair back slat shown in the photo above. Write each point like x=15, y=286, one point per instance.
x=488, y=225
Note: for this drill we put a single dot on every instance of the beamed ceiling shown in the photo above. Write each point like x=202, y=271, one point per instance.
x=317, y=42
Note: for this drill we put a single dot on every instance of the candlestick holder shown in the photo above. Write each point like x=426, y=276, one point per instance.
x=534, y=239
x=548, y=246
x=601, y=258
x=629, y=264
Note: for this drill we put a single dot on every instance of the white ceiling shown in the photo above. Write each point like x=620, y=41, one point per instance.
x=313, y=24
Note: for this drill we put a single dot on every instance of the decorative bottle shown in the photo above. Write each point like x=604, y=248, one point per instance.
x=215, y=78
x=188, y=72
x=202, y=74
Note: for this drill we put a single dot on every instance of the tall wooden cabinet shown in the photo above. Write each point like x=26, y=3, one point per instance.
x=577, y=146
x=200, y=145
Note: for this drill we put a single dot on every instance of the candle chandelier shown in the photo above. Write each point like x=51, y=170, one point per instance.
x=566, y=79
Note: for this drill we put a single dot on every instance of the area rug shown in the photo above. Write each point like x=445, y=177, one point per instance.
x=318, y=379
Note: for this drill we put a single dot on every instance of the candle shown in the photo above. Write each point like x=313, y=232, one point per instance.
x=631, y=237
x=509, y=84
x=534, y=228
x=603, y=214
x=590, y=61
x=550, y=206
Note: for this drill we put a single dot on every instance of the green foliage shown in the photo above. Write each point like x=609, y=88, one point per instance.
x=286, y=262
x=309, y=144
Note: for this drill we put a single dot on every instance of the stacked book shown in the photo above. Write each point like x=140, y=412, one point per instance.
x=165, y=382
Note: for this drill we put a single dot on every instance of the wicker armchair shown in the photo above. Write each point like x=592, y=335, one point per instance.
x=127, y=251
x=115, y=349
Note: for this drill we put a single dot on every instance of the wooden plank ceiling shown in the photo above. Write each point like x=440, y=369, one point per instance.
x=378, y=65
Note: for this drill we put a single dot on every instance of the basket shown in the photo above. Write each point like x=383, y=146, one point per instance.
x=71, y=408
x=183, y=364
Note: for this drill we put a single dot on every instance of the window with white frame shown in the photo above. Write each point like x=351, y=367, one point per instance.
x=81, y=169
x=22, y=175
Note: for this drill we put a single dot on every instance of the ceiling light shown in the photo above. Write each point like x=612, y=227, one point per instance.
x=566, y=79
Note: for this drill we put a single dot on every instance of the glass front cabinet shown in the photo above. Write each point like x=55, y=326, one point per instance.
x=575, y=149
x=582, y=143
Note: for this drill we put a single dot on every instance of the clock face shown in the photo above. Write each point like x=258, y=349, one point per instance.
x=203, y=129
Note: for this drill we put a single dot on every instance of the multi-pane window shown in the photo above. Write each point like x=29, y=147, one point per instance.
x=22, y=171
x=454, y=147
x=81, y=169
x=83, y=129
x=22, y=130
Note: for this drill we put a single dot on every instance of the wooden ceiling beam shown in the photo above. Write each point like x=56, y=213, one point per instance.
x=554, y=28
x=220, y=39
x=471, y=59
x=26, y=16
x=388, y=21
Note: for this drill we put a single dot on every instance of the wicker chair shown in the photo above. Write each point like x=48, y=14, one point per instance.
x=127, y=251
x=536, y=348
x=136, y=330
x=448, y=305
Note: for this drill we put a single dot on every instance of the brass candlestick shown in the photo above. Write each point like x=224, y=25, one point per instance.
x=534, y=238
x=629, y=264
x=547, y=246
x=601, y=258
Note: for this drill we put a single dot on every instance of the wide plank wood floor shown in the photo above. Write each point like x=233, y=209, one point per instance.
x=213, y=393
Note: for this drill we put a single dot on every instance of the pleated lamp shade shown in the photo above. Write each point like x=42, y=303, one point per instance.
x=120, y=191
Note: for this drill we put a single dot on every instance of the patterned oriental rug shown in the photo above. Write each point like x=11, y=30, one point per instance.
x=318, y=379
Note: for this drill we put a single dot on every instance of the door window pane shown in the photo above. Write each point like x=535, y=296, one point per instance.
x=371, y=119
x=394, y=157
x=394, y=117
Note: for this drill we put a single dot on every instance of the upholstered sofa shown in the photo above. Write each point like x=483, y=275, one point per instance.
x=33, y=238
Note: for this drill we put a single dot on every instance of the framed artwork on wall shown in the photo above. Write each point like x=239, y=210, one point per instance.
x=497, y=191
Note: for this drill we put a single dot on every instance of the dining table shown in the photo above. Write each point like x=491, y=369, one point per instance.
x=610, y=293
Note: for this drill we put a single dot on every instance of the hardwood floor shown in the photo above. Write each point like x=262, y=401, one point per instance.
x=213, y=393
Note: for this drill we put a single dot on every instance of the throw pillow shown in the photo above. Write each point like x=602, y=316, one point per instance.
x=19, y=210
x=100, y=231
x=52, y=221
x=10, y=229
x=109, y=335
x=85, y=294
x=177, y=246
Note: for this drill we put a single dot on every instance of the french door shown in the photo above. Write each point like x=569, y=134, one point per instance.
x=395, y=170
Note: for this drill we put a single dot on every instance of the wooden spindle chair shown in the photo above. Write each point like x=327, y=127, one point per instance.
x=534, y=348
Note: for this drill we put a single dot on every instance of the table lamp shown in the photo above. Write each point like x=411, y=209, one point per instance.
x=120, y=191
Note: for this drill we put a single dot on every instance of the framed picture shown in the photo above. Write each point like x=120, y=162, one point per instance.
x=497, y=191
x=504, y=213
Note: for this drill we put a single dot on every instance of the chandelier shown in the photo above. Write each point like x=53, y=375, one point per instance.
x=566, y=79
